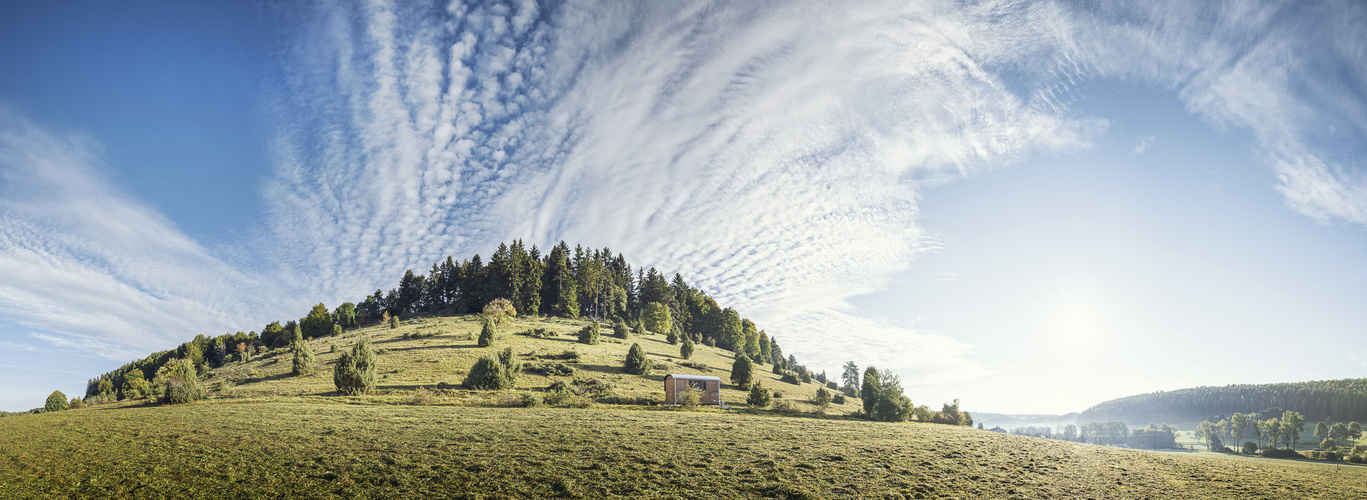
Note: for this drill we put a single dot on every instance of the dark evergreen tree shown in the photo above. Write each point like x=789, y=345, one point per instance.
x=742, y=371
x=220, y=352
x=559, y=296
x=488, y=334
x=589, y=334
x=686, y=350
x=354, y=373
x=304, y=362
x=637, y=363
x=759, y=396
x=346, y=315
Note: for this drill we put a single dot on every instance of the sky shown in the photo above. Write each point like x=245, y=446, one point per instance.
x=1032, y=207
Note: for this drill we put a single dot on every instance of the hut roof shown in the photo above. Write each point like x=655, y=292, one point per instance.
x=680, y=376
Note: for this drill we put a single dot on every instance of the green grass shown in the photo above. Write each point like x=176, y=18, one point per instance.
x=244, y=449
x=442, y=349
x=265, y=433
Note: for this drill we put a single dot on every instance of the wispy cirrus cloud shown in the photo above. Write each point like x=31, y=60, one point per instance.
x=774, y=160
x=92, y=269
x=776, y=155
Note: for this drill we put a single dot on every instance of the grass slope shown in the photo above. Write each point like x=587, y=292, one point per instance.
x=244, y=449
x=442, y=349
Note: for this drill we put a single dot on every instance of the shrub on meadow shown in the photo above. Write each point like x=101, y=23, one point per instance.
x=488, y=334
x=686, y=350
x=180, y=384
x=759, y=396
x=354, y=373
x=637, y=363
x=589, y=334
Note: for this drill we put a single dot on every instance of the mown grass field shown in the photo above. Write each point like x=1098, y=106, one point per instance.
x=245, y=449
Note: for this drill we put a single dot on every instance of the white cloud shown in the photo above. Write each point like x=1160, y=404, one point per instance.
x=776, y=161
x=1142, y=145
x=91, y=269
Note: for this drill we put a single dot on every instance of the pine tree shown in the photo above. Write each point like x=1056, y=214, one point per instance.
x=488, y=334
x=304, y=363
x=354, y=373
x=686, y=350
x=637, y=363
x=742, y=371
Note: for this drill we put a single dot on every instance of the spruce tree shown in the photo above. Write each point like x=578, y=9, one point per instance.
x=304, y=363
x=686, y=350
x=488, y=334
x=620, y=330
x=742, y=371
x=637, y=363
x=354, y=374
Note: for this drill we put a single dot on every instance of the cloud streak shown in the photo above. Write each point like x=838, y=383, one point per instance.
x=776, y=155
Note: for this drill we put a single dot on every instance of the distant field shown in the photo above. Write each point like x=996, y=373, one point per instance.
x=242, y=449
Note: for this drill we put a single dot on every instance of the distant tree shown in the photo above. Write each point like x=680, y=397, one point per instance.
x=759, y=396
x=673, y=337
x=559, y=289
x=273, y=335
x=620, y=330
x=589, y=334
x=1070, y=432
x=823, y=398
x=686, y=350
x=1272, y=428
x=1238, y=426
x=750, y=334
x=1293, y=424
x=393, y=322
x=851, y=380
x=637, y=363
x=134, y=384
x=304, y=363
x=489, y=333
x=180, y=384
x=346, y=315
x=219, y=353
x=317, y=324
x=766, y=348
x=498, y=309
x=1322, y=431
x=655, y=317
x=354, y=373
x=1354, y=430
x=56, y=402
x=1250, y=447
x=1338, y=432
x=883, y=398
x=742, y=371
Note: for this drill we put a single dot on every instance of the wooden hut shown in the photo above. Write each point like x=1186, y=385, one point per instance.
x=677, y=385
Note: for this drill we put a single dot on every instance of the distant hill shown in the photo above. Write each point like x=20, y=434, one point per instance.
x=1010, y=421
x=1335, y=400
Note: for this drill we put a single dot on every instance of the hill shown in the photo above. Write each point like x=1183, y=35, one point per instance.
x=1332, y=400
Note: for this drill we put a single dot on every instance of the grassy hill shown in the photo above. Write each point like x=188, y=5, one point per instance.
x=1333, y=400
x=426, y=353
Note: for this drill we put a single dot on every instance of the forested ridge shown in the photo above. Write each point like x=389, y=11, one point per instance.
x=1344, y=399
x=565, y=282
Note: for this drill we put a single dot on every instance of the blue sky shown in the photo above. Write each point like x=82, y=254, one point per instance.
x=1030, y=206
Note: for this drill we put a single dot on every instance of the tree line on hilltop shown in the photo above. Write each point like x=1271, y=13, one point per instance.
x=1344, y=399
x=569, y=283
